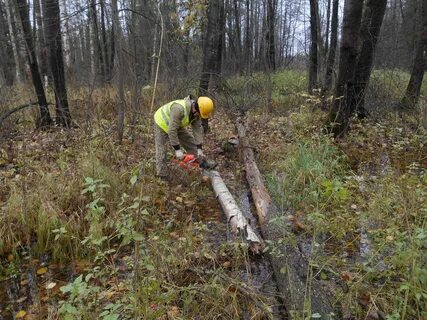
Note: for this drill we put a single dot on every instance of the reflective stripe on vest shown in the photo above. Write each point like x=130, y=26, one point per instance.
x=162, y=115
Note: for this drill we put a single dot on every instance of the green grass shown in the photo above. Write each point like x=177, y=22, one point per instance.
x=341, y=189
x=306, y=167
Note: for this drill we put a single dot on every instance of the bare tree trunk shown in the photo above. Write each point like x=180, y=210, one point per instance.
x=211, y=45
x=220, y=42
x=42, y=52
x=112, y=51
x=83, y=43
x=257, y=32
x=270, y=37
x=44, y=119
x=328, y=23
x=238, y=36
x=371, y=25
x=339, y=115
x=99, y=58
x=104, y=53
x=14, y=39
x=154, y=47
x=6, y=51
x=248, y=40
x=314, y=33
x=333, y=46
x=54, y=41
x=66, y=35
x=120, y=71
x=138, y=61
x=186, y=56
x=412, y=94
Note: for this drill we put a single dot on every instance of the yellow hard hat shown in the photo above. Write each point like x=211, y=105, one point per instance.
x=206, y=106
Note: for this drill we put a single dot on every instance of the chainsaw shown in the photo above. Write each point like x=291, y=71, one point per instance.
x=190, y=161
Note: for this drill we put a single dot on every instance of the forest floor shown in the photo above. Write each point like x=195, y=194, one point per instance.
x=87, y=231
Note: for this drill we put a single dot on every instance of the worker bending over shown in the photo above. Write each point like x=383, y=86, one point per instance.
x=173, y=123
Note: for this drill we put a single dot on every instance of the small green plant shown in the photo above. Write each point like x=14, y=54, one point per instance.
x=96, y=208
x=82, y=297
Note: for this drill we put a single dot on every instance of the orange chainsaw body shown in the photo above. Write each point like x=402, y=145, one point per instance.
x=188, y=162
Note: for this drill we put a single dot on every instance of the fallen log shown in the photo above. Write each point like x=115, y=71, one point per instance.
x=16, y=109
x=302, y=294
x=239, y=224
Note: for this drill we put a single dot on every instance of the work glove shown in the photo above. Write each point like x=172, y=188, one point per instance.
x=179, y=154
x=200, y=153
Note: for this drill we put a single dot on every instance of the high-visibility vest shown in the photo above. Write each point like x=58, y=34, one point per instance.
x=162, y=115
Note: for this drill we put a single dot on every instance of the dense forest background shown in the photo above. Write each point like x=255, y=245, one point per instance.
x=136, y=44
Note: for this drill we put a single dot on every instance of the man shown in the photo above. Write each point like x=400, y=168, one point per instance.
x=173, y=123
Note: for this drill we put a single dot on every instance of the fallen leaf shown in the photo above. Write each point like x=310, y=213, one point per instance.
x=298, y=226
x=364, y=299
x=20, y=300
x=41, y=271
x=24, y=282
x=174, y=312
x=346, y=276
x=50, y=285
x=21, y=314
x=174, y=235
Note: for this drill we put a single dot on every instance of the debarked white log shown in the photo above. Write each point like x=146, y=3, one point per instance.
x=232, y=211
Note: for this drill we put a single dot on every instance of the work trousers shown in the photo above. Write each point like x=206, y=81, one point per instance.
x=186, y=140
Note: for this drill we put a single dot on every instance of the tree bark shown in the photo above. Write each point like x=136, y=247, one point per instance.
x=66, y=35
x=120, y=71
x=270, y=35
x=328, y=23
x=6, y=51
x=339, y=115
x=211, y=45
x=239, y=224
x=369, y=32
x=291, y=269
x=56, y=62
x=248, y=40
x=112, y=52
x=99, y=58
x=42, y=52
x=14, y=40
x=44, y=117
x=220, y=42
x=238, y=36
x=105, y=56
x=412, y=93
x=314, y=33
x=332, y=47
